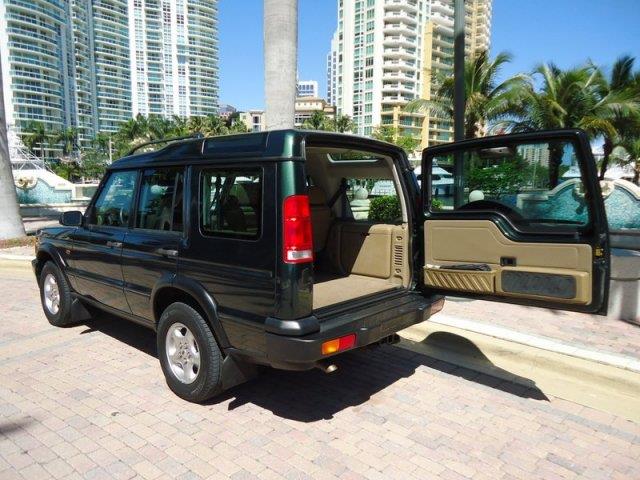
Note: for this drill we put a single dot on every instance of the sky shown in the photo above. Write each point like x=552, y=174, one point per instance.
x=567, y=32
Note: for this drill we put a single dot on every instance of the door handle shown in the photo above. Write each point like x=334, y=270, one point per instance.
x=167, y=252
x=114, y=244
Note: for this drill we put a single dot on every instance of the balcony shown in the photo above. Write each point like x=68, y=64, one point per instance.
x=396, y=99
x=399, y=52
x=440, y=6
x=400, y=4
x=397, y=87
x=398, y=75
x=401, y=16
x=399, y=41
x=400, y=28
x=400, y=65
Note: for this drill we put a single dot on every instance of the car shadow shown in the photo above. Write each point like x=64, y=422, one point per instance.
x=313, y=395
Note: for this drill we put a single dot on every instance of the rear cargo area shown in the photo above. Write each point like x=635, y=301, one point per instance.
x=329, y=289
x=360, y=259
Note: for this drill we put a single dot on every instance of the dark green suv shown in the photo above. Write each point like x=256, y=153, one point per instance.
x=287, y=248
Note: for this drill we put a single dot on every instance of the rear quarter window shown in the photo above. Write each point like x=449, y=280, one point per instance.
x=231, y=202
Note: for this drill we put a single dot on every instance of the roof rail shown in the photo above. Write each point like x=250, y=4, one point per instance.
x=163, y=140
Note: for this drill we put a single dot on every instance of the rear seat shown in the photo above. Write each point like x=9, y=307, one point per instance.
x=320, y=217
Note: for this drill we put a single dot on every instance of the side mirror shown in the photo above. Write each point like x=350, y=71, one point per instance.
x=71, y=219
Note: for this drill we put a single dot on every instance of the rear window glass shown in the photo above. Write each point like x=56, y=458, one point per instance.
x=231, y=202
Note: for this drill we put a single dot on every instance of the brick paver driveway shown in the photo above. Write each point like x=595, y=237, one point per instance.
x=90, y=401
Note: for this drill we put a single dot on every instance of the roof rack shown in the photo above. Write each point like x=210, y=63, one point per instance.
x=163, y=140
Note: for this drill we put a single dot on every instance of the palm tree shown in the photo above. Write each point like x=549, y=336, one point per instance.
x=10, y=221
x=134, y=130
x=632, y=147
x=69, y=139
x=617, y=107
x=564, y=100
x=486, y=100
x=317, y=121
x=578, y=98
x=214, y=126
x=394, y=135
x=343, y=124
x=35, y=133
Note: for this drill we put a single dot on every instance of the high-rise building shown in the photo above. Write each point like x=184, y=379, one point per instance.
x=37, y=62
x=389, y=52
x=93, y=64
x=332, y=70
x=307, y=88
x=174, y=57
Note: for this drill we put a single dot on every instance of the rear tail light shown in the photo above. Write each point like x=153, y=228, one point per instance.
x=339, y=344
x=297, y=238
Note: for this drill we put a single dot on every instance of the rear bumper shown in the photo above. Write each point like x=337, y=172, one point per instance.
x=370, y=324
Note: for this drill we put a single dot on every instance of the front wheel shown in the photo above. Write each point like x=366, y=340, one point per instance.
x=189, y=354
x=55, y=295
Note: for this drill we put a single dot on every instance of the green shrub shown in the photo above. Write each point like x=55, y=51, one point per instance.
x=436, y=204
x=385, y=209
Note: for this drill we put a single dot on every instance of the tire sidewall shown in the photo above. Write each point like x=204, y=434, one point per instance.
x=62, y=318
x=208, y=381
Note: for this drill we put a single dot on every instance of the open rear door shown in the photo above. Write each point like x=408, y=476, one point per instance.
x=516, y=218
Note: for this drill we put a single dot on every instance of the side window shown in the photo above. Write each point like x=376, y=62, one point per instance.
x=113, y=205
x=532, y=184
x=231, y=202
x=374, y=200
x=160, y=199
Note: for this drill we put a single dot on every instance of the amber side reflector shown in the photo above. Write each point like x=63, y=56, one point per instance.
x=339, y=344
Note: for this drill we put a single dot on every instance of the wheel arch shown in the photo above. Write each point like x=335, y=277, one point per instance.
x=192, y=293
x=47, y=253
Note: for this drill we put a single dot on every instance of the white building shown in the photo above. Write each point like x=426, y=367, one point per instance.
x=332, y=70
x=304, y=109
x=307, y=88
x=93, y=64
x=174, y=68
x=389, y=52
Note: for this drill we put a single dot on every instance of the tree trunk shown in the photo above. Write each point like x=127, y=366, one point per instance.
x=280, y=62
x=555, y=160
x=636, y=175
x=10, y=221
x=607, y=148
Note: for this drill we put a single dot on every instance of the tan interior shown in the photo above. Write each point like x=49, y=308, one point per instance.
x=353, y=258
x=361, y=258
x=449, y=242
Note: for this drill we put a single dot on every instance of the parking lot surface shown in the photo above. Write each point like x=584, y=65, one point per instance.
x=90, y=402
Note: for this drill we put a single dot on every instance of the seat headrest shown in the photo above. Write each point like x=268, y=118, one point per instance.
x=317, y=196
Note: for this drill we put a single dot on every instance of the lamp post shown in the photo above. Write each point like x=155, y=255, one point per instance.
x=458, y=96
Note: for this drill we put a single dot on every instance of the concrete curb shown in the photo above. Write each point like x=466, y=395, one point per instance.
x=595, y=379
x=544, y=343
x=9, y=256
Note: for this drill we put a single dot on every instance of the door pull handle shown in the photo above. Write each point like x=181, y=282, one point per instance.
x=111, y=244
x=167, y=252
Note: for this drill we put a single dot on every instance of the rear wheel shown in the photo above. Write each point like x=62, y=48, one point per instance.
x=189, y=354
x=55, y=295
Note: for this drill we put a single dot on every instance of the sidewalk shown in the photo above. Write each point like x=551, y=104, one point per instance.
x=593, y=332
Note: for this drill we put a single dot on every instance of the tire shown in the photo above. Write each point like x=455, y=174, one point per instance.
x=185, y=340
x=55, y=295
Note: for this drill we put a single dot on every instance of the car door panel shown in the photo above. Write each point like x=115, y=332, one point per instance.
x=452, y=242
x=96, y=265
x=511, y=234
x=147, y=258
x=97, y=244
x=151, y=247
